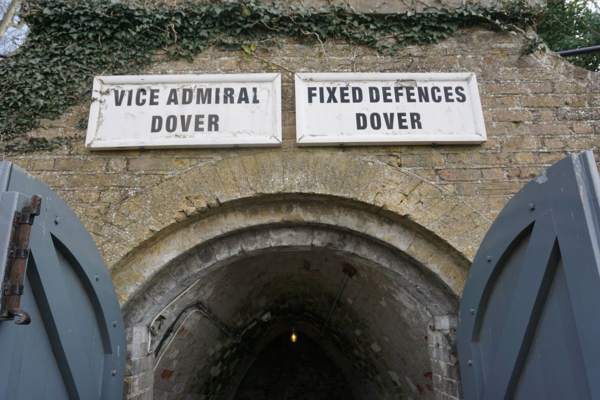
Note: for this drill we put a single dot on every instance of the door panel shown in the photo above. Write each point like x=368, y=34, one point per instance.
x=526, y=326
x=28, y=350
x=75, y=345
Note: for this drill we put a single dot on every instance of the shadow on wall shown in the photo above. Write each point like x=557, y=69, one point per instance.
x=286, y=370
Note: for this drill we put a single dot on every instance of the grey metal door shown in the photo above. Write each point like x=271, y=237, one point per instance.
x=529, y=319
x=74, y=345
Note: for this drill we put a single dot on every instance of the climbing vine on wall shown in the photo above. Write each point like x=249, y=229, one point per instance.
x=72, y=41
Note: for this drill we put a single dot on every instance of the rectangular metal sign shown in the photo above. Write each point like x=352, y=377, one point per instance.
x=388, y=108
x=158, y=111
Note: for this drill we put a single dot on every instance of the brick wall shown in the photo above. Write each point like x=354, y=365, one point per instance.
x=444, y=358
x=537, y=108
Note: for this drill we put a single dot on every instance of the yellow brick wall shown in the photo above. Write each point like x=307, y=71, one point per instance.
x=537, y=109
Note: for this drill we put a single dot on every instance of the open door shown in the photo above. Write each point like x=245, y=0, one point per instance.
x=73, y=345
x=529, y=323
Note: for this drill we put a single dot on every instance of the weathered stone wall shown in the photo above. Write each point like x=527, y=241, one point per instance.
x=149, y=210
x=537, y=108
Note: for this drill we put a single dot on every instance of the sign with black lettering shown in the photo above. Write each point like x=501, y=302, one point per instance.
x=158, y=111
x=388, y=108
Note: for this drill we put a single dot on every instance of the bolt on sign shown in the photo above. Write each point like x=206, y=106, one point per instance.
x=158, y=111
x=374, y=109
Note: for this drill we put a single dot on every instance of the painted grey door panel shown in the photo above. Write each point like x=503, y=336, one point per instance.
x=28, y=350
x=527, y=325
x=75, y=345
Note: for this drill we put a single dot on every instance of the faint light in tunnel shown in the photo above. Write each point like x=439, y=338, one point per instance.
x=293, y=337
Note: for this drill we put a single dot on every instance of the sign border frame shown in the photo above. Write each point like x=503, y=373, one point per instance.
x=376, y=140
x=94, y=117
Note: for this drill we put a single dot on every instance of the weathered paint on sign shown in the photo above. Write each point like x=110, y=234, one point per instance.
x=362, y=109
x=185, y=111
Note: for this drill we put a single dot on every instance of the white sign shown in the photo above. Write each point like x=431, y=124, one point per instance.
x=185, y=111
x=363, y=109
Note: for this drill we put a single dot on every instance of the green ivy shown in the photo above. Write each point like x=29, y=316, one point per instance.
x=72, y=41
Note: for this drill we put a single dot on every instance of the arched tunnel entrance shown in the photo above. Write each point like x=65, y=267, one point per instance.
x=219, y=311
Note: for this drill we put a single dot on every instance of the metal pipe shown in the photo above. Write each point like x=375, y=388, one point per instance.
x=171, y=328
x=349, y=272
x=339, y=293
x=199, y=306
x=577, y=52
x=157, y=363
x=237, y=339
x=204, y=310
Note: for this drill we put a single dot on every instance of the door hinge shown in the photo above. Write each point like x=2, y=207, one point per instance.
x=16, y=261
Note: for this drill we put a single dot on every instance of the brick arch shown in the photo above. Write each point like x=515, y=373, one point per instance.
x=133, y=225
x=168, y=275
x=411, y=297
x=445, y=263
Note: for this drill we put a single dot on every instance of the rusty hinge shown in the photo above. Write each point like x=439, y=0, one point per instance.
x=18, y=252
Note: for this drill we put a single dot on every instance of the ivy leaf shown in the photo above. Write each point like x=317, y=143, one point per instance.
x=249, y=48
